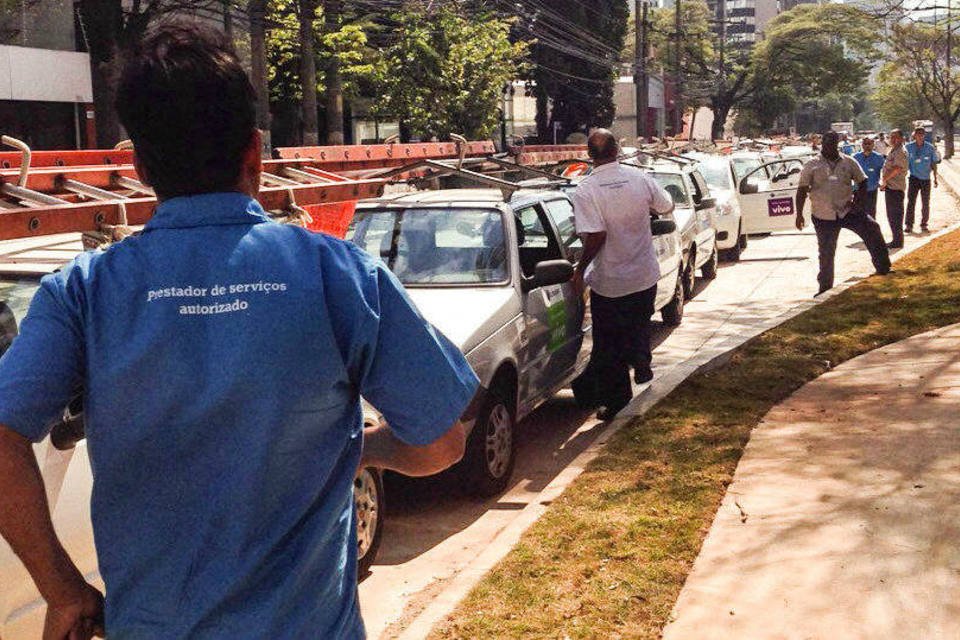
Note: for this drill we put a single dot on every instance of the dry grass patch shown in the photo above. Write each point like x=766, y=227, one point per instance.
x=609, y=557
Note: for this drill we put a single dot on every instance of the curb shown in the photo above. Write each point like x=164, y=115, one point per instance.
x=713, y=358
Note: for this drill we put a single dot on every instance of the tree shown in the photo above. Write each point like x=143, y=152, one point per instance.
x=576, y=48
x=698, y=71
x=334, y=92
x=919, y=55
x=822, y=52
x=257, y=15
x=444, y=71
x=307, y=13
x=898, y=97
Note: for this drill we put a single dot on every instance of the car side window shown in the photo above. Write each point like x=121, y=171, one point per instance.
x=561, y=212
x=539, y=242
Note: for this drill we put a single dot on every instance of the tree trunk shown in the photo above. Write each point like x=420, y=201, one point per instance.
x=719, y=121
x=308, y=73
x=331, y=18
x=256, y=11
x=228, y=19
x=948, y=130
x=103, y=22
x=542, y=117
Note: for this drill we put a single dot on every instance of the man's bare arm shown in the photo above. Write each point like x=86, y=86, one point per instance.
x=801, y=200
x=26, y=525
x=383, y=450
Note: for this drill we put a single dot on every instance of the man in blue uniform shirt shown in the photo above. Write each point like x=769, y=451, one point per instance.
x=223, y=357
x=872, y=165
x=923, y=159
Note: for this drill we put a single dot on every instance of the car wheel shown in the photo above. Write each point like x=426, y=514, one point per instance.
x=491, y=453
x=709, y=269
x=733, y=253
x=689, y=274
x=369, y=502
x=672, y=313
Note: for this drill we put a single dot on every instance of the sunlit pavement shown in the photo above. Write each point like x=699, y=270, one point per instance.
x=433, y=533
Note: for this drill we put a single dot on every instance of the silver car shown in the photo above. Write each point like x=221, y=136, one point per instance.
x=493, y=276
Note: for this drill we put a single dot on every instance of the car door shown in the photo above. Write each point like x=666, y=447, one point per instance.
x=545, y=351
x=767, y=201
x=705, y=217
x=560, y=212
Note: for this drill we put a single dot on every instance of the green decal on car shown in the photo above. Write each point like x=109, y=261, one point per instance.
x=557, y=321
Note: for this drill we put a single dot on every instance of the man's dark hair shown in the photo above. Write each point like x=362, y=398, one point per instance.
x=189, y=109
x=602, y=145
x=919, y=130
x=830, y=137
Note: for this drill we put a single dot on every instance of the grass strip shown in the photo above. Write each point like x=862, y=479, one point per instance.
x=609, y=557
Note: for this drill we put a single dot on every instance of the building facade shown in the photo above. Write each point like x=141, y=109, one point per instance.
x=46, y=93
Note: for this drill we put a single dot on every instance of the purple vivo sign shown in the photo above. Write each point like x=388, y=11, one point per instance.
x=780, y=206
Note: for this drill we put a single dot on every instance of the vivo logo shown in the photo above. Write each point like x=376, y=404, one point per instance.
x=780, y=207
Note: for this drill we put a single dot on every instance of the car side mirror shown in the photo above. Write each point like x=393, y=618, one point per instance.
x=706, y=203
x=747, y=187
x=547, y=273
x=662, y=227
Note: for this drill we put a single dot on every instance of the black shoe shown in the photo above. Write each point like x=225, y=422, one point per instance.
x=894, y=245
x=642, y=375
x=607, y=414
x=923, y=228
x=821, y=292
x=908, y=229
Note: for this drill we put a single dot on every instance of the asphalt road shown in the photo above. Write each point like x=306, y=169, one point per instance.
x=433, y=532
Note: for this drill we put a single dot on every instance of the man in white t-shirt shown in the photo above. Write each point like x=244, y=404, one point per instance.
x=612, y=207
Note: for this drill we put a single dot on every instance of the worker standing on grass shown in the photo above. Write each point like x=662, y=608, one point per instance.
x=834, y=206
x=612, y=208
x=222, y=357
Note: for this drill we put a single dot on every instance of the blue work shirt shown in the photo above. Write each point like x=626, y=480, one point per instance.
x=922, y=159
x=872, y=166
x=223, y=357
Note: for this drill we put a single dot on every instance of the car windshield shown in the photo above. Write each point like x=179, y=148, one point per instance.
x=716, y=173
x=743, y=166
x=672, y=183
x=435, y=246
x=16, y=292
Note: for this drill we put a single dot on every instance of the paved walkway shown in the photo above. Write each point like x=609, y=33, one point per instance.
x=843, y=518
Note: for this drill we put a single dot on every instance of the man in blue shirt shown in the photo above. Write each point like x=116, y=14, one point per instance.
x=872, y=165
x=222, y=358
x=923, y=159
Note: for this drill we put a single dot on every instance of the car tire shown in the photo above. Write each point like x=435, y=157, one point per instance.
x=709, y=268
x=368, y=500
x=491, y=448
x=733, y=253
x=672, y=313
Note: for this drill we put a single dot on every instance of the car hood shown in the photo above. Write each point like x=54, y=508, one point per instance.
x=467, y=316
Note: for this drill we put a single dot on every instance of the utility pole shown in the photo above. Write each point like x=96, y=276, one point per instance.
x=640, y=80
x=678, y=77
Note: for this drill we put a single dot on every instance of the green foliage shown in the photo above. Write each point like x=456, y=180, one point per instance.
x=818, y=49
x=699, y=53
x=898, y=97
x=444, y=71
x=358, y=61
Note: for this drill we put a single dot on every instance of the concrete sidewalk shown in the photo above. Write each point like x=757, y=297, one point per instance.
x=843, y=518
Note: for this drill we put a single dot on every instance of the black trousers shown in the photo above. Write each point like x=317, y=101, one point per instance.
x=923, y=188
x=894, y=202
x=621, y=339
x=870, y=204
x=862, y=225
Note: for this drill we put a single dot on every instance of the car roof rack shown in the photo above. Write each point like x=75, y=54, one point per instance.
x=69, y=196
